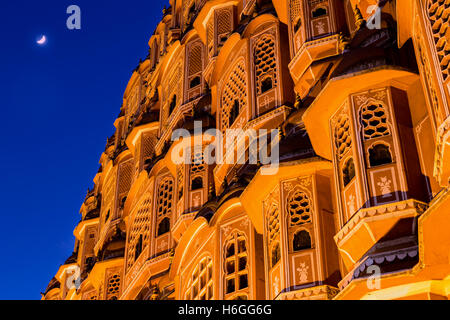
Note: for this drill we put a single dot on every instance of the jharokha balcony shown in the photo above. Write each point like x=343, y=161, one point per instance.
x=378, y=232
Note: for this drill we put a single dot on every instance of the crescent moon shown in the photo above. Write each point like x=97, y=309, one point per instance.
x=42, y=40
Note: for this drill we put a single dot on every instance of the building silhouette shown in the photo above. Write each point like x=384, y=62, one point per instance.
x=359, y=93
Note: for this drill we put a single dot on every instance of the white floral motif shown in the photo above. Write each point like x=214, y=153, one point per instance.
x=265, y=101
x=303, y=272
x=305, y=182
x=226, y=230
x=320, y=27
x=361, y=99
x=244, y=223
x=385, y=186
x=288, y=186
x=380, y=95
x=196, y=200
x=351, y=203
x=162, y=245
x=276, y=285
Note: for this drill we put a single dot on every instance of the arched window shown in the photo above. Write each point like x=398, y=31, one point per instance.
x=197, y=183
x=266, y=84
x=201, y=282
x=439, y=21
x=164, y=206
x=173, y=104
x=297, y=24
x=164, y=226
x=138, y=248
x=299, y=208
x=234, y=112
x=348, y=172
x=122, y=202
x=379, y=155
x=302, y=240
x=319, y=12
x=275, y=254
x=236, y=271
x=194, y=82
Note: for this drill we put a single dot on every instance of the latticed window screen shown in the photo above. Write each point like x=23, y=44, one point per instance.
x=265, y=64
x=235, y=91
x=299, y=208
x=148, y=146
x=197, y=161
x=195, y=60
x=180, y=180
x=140, y=227
x=374, y=121
x=113, y=287
x=224, y=25
x=294, y=11
x=164, y=206
x=236, y=264
x=439, y=16
x=210, y=36
x=197, y=168
x=342, y=138
x=109, y=189
x=273, y=223
x=195, y=65
x=173, y=89
x=201, y=283
x=133, y=102
x=125, y=179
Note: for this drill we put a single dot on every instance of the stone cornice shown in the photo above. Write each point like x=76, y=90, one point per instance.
x=310, y=293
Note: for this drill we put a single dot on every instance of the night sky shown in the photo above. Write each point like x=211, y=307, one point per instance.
x=58, y=104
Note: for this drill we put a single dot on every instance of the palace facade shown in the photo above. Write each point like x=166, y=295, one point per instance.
x=359, y=91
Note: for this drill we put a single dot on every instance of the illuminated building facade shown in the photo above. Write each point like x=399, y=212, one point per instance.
x=359, y=91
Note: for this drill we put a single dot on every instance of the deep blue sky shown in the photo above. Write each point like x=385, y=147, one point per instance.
x=58, y=105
